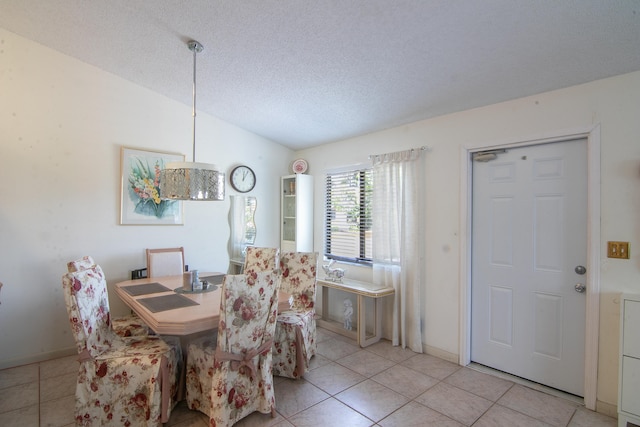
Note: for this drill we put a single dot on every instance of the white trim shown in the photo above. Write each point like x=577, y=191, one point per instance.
x=592, y=321
x=592, y=316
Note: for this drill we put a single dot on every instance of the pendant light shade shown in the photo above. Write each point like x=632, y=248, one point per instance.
x=192, y=180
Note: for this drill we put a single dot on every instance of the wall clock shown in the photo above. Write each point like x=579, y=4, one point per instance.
x=243, y=179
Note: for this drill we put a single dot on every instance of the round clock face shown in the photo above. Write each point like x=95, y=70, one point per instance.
x=243, y=179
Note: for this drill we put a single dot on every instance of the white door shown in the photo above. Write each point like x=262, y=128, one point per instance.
x=528, y=245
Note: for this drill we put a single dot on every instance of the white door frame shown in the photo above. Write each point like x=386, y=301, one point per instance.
x=592, y=319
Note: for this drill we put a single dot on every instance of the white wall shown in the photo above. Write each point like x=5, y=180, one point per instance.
x=613, y=103
x=62, y=124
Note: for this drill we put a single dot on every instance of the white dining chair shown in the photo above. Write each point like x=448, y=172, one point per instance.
x=165, y=262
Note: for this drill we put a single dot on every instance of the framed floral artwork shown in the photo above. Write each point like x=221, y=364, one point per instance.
x=140, y=202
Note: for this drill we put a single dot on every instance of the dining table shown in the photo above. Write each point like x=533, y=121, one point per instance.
x=170, y=309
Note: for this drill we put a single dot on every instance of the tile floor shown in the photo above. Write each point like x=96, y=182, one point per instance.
x=381, y=385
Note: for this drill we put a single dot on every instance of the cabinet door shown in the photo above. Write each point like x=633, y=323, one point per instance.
x=289, y=210
x=630, y=399
x=631, y=333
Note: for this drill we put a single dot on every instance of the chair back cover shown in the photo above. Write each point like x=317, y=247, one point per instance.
x=80, y=264
x=248, y=312
x=165, y=262
x=87, y=301
x=260, y=259
x=298, y=270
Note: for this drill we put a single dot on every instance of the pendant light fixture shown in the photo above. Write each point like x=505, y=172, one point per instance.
x=192, y=180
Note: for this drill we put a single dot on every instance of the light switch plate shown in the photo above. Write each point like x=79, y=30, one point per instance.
x=618, y=250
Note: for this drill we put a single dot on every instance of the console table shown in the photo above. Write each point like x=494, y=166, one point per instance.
x=362, y=290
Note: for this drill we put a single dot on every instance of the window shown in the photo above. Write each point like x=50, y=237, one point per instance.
x=348, y=216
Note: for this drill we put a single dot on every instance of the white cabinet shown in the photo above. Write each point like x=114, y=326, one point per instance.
x=629, y=377
x=296, y=213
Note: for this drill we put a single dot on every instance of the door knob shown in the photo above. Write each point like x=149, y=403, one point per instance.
x=580, y=270
x=579, y=287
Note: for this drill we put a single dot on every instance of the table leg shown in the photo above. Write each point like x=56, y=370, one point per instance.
x=363, y=341
x=324, y=312
x=361, y=327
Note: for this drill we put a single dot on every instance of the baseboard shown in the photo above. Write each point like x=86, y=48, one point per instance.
x=12, y=363
x=441, y=354
x=607, y=409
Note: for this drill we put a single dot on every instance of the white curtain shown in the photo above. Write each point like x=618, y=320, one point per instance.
x=398, y=235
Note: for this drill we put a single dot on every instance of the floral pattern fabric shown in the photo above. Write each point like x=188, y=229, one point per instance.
x=230, y=377
x=295, y=339
x=121, y=381
x=260, y=259
x=130, y=326
x=125, y=326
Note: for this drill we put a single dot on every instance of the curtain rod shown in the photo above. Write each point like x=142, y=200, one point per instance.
x=423, y=148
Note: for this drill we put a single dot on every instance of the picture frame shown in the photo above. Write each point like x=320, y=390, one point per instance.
x=139, y=188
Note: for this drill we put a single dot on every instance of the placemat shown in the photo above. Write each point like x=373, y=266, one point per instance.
x=213, y=280
x=147, y=288
x=166, y=302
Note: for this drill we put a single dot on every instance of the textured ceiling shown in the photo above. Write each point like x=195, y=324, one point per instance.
x=304, y=73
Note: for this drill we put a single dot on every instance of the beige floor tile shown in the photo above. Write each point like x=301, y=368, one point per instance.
x=23, y=417
x=335, y=348
x=60, y=366
x=371, y=399
x=430, y=365
x=293, y=396
x=541, y=406
x=57, y=387
x=19, y=375
x=586, y=418
x=330, y=413
x=192, y=422
x=318, y=361
x=283, y=423
x=182, y=416
x=333, y=378
x=59, y=412
x=277, y=379
x=348, y=340
x=414, y=414
x=324, y=334
x=30, y=395
x=455, y=403
x=478, y=383
x=19, y=396
x=499, y=416
x=366, y=363
x=405, y=381
x=258, y=419
x=395, y=353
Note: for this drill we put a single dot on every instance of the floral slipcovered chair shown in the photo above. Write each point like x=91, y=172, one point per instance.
x=260, y=259
x=295, y=339
x=121, y=381
x=125, y=326
x=230, y=377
